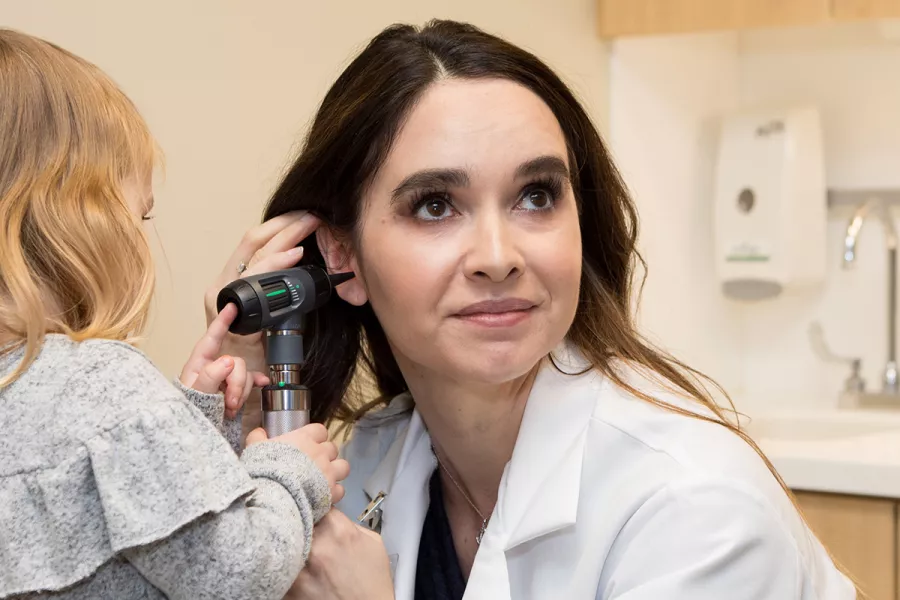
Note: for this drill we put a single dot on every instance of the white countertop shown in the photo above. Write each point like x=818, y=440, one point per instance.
x=839, y=451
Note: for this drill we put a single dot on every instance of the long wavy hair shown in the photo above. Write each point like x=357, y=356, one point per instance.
x=74, y=259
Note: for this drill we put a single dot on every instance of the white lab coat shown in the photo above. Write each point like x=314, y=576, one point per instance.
x=606, y=496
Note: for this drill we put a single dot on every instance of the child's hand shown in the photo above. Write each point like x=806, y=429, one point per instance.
x=312, y=441
x=207, y=372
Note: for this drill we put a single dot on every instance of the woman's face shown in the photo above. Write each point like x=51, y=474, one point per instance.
x=469, y=248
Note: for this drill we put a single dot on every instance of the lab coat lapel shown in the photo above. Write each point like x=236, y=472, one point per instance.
x=543, y=482
x=540, y=488
x=403, y=476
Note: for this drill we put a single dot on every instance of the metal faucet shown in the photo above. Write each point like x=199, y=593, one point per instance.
x=891, y=381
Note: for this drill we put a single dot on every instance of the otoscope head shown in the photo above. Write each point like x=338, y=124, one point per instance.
x=265, y=301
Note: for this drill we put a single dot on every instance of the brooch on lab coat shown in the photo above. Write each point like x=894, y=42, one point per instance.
x=371, y=515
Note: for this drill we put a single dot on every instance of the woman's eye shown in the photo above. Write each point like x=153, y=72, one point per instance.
x=536, y=199
x=433, y=209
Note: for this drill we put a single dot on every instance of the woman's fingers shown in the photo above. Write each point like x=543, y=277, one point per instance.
x=288, y=237
x=276, y=262
x=258, y=237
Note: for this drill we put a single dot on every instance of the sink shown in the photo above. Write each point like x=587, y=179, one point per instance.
x=813, y=427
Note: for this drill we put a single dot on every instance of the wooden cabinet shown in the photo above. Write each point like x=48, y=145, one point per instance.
x=617, y=18
x=846, y=10
x=861, y=534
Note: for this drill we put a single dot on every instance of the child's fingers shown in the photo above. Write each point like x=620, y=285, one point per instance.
x=340, y=468
x=337, y=493
x=254, y=380
x=330, y=449
x=235, y=384
x=210, y=378
x=256, y=436
x=209, y=345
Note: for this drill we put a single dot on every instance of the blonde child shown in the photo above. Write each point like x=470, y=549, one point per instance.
x=115, y=483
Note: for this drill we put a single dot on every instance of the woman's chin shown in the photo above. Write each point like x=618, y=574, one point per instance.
x=495, y=366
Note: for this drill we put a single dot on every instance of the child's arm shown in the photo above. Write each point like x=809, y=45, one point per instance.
x=256, y=547
x=213, y=408
x=196, y=521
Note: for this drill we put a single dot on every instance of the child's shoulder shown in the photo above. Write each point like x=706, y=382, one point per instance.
x=121, y=455
x=112, y=373
x=72, y=392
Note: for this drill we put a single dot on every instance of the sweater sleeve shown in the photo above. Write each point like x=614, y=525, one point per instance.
x=196, y=521
x=213, y=408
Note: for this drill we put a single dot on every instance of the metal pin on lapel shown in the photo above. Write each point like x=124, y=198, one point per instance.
x=371, y=515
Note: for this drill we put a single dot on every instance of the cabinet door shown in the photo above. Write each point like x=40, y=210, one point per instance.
x=779, y=13
x=846, y=10
x=861, y=534
x=648, y=17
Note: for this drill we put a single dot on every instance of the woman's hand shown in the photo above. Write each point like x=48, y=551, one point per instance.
x=312, y=440
x=270, y=246
x=209, y=372
x=347, y=562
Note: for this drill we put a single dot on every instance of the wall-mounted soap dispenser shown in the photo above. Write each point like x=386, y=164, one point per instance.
x=770, y=203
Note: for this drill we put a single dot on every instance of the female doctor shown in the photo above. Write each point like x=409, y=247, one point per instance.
x=527, y=443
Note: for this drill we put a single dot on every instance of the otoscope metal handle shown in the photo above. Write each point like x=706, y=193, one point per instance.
x=284, y=421
x=284, y=408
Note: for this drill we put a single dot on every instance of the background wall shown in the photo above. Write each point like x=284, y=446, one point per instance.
x=853, y=74
x=229, y=86
x=667, y=96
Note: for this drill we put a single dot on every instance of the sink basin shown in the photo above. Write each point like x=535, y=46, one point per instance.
x=810, y=428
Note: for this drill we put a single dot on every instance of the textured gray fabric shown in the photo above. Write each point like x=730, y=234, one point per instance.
x=113, y=485
x=213, y=408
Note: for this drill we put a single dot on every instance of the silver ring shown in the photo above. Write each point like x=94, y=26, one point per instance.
x=241, y=268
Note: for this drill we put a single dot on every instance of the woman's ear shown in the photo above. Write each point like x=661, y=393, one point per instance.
x=340, y=258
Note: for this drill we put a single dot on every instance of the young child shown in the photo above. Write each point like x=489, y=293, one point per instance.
x=113, y=482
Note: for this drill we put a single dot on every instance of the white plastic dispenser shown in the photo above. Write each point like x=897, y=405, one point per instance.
x=770, y=203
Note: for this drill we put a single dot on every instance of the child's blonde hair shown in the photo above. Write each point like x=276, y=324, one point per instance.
x=74, y=258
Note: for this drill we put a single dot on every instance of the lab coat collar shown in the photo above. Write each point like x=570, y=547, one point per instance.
x=541, y=485
x=543, y=480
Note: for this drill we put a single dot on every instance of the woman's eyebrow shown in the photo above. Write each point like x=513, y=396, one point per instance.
x=543, y=165
x=432, y=178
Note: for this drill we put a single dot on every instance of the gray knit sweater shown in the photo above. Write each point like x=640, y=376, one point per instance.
x=116, y=484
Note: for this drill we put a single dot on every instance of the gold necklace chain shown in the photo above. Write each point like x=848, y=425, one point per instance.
x=484, y=521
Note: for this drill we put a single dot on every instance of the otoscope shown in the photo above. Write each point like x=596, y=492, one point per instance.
x=278, y=303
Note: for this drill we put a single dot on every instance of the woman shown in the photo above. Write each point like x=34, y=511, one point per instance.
x=526, y=441
x=115, y=483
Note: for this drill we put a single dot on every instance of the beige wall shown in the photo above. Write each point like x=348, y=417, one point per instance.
x=228, y=87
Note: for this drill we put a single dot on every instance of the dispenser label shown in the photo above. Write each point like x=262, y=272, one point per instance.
x=748, y=252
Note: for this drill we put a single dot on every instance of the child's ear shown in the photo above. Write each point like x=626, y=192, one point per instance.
x=340, y=258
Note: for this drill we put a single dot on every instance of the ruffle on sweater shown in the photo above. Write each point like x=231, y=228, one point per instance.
x=132, y=484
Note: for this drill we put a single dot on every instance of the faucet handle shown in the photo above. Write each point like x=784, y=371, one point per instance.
x=853, y=383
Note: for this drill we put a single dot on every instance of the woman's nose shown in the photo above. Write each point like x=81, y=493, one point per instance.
x=494, y=252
